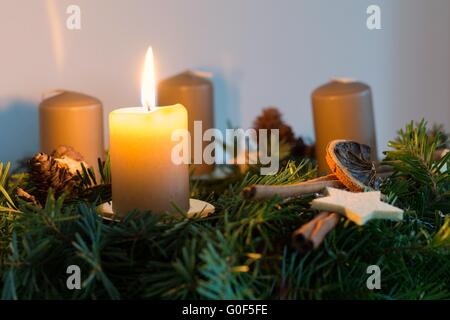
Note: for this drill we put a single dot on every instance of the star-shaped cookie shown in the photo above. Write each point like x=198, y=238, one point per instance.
x=359, y=207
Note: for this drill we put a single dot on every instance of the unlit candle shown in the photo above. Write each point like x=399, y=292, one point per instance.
x=73, y=119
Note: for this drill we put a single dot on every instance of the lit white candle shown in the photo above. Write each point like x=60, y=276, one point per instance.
x=144, y=176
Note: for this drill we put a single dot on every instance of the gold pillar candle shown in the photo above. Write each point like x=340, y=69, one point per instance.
x=144, y=175
x=73, y=119
x=196, y=94
x=342, y=109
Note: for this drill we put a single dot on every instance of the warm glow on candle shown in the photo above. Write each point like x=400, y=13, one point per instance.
x=148, y=87
x=141, y=146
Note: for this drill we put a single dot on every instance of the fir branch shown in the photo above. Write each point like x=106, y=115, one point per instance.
x=420, y=181
x=242, y=251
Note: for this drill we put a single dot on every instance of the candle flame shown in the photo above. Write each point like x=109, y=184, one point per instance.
x=148, y=87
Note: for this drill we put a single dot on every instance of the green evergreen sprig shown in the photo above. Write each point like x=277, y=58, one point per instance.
x=420, y=181
x=242, y=251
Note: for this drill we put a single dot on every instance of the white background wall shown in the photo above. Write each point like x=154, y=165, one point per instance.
x=262, y=52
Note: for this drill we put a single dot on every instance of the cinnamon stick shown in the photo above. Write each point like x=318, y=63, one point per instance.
x=311, y=235
x=329, y=177
x=256, y=192
x=322, y=228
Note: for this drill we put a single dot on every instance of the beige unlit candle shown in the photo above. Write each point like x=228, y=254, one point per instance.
x=73, y=119
x=342, y=109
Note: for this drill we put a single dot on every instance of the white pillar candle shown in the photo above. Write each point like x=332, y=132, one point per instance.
x=144, y=177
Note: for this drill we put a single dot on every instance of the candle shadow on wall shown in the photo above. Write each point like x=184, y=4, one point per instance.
x=19, y=131
x=226, y=98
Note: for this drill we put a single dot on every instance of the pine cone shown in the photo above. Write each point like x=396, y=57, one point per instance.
x=301, y=149
x=271, y=118
x=60, y=174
